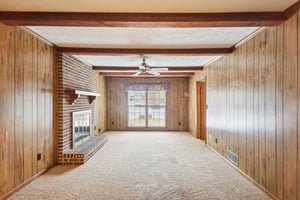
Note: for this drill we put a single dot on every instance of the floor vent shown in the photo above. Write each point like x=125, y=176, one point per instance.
x=232, y=157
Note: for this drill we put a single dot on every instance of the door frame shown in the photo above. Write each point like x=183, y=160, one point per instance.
x=201, y=109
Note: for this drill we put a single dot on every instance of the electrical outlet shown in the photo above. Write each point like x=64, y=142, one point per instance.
x=179, y=123
x=38, y=156
x=112, y=122
x=99, y=130
x=216, y=140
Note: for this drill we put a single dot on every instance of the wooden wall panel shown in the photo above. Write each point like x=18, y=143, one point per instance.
x=28, y=106
x=262, y=107
x=270, y=110
x=290, y=108
x=26, y=78
x=279, y=110
x=298, y=96
x=41, y=105
x=223, y=108
x=250, y=108
x=242, y=84
x=256, y=108
x=100, y=110
x=7, y=117
x=19, y=105
x=177, y=103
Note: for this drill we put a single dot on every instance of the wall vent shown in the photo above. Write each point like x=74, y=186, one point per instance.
x=232, y=157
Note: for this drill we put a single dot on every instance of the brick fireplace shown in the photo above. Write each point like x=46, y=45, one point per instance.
x=73, y=74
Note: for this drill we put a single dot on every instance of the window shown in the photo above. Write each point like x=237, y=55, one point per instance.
x=146, y=108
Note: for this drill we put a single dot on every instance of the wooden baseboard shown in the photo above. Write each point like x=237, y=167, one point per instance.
x=272, y=196
x=13, y=191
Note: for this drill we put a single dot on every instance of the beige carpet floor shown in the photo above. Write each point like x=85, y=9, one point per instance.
x=145, y=165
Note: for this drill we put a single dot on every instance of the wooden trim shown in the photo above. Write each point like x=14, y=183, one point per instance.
x=290, y=11
x=179, y=68
x=230, y=19
x=13, y=191
x=126, y=51
x=162, y=74
x=272, y=196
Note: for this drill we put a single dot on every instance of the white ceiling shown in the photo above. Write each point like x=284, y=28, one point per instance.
x=105, y=37
x=111, y=37
x=152, y=61
x=146, y=5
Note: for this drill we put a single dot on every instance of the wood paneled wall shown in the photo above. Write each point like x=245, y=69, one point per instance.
x=177, y=102
x=254, y=108
x=26, y=107
x=100, y=103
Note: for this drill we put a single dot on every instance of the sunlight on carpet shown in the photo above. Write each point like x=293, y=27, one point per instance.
x=145, y=165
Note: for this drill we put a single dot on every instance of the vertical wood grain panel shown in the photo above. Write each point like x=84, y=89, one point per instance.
x=236, y=80
x=100, y=111
x=222, y=106
x=290, y=109
x=256, y=108
x=271, y=110
x=242, y=107
x=250, y=108
x=19, y=108
x=217, y=106
x=34, y=103
x=279, y=111
x=262, y=108
x=231, y=103
x=41, y=106
x=171, y=119
x=211, y=109
x=227, y=104
x=298, y=96
x=49, y=107
x=7, y=108
x=28, y=106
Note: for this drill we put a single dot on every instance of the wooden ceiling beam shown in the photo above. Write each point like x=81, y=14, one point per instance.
x=290, y=11
x=130, y=51
x=231, y=19
x=162, y=74
x=170, y=68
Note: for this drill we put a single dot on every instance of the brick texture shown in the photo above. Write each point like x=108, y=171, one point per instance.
x=72, y=74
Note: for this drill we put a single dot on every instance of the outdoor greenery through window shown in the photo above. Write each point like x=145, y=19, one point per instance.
x=146, y=108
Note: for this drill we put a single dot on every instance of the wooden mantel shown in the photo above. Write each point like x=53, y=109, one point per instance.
x=75, y=94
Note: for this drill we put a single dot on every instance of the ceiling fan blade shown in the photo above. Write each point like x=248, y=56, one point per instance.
x=157, y=69
x=142, y=67
x=155, y=73
x=137, y=73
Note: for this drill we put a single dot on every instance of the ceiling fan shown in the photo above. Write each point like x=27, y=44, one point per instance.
x=145, y=68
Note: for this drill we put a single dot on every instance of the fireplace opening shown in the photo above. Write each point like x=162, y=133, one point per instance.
x=81, y=127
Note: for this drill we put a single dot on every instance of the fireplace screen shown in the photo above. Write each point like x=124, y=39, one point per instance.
x=81, y=127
